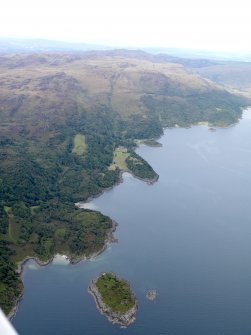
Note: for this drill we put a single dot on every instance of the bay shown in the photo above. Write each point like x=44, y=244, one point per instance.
x=187, y=236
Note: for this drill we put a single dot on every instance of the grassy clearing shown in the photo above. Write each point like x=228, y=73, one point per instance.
x=14, y=230
x=8, y=211
x=14, y=227
x=80, y=146
x=2, y=287
x=119, y=159
x=34, y=209
x=60, y=232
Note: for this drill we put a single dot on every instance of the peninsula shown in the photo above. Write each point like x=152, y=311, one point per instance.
x=70, y=124
x=114, y=298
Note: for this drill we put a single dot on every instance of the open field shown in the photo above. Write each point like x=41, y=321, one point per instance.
x=119, y=159
x=80, y=146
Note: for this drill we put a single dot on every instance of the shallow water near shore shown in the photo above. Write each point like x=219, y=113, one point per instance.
x=188, y=237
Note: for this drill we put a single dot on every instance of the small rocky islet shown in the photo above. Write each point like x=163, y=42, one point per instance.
x=114, y=298
x=151, y=295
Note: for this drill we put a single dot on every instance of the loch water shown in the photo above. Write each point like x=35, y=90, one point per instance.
x=188, y=236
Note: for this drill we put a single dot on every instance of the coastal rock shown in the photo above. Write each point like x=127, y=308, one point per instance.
x=151, y=295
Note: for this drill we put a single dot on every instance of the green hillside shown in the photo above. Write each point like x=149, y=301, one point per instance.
x=63, y=118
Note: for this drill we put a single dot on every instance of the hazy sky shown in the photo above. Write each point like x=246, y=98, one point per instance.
x=220, y=25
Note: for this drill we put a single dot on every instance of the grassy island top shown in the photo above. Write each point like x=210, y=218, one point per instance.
x=115, y=292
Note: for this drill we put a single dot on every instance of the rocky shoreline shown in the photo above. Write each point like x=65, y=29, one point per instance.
x=72, y=260
x=147, y=180
x=123, y=319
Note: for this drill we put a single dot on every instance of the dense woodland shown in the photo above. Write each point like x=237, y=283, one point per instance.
x=43, y=173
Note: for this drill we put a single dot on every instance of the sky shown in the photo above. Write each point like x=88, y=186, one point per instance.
x=208, y=25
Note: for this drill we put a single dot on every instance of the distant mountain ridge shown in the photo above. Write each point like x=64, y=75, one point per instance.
x=15, y=45
x=9, y=45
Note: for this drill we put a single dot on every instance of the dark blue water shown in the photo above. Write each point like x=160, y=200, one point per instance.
x=188, y=236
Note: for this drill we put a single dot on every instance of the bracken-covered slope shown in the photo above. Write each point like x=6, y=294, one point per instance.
x=47, y=87
x=63, y=118
x=235, y=75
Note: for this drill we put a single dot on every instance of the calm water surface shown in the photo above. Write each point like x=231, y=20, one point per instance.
x=188, y=236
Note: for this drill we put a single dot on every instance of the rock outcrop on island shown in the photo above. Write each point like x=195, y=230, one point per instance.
x=114, y=299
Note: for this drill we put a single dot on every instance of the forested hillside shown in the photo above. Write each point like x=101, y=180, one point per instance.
x=64, y=118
